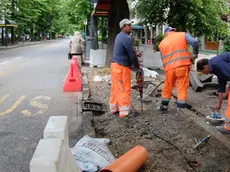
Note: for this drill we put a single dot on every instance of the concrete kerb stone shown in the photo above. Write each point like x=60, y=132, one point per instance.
x=59, y=158
x=48, y=156
x=85, y=85
x=210, y=129
x=195, y=82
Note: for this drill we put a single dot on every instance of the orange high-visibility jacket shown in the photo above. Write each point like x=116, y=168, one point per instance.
x=174, y=51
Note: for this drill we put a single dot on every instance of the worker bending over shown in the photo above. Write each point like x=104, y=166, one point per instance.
x=124, y=57
x=176, y=61
x=220, y=66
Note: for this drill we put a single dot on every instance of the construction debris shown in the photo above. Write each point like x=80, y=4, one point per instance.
x=195, y=82
x=206, y=78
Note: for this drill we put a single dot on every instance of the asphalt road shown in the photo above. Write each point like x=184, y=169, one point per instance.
x=31, y=81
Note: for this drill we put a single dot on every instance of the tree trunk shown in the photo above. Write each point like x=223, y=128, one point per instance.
x=119, y=10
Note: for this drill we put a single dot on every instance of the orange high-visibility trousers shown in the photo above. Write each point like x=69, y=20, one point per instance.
x=227, y=115
x=180, y=76
x=120, y=89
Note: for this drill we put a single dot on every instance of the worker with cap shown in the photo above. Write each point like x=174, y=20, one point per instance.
x=124, y=57
x=220, y=66
x=176, y=61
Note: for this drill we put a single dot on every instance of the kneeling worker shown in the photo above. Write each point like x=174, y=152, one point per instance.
x=220, y=66
x=124, y=57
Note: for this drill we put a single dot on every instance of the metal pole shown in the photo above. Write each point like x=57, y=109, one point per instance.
x=6, y=34
x=13, y=17
x=102, y=32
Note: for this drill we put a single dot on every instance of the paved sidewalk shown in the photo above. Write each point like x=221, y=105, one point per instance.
x=21, y=44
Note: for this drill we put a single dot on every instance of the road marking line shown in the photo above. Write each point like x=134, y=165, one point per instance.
x=1, y=73
x=5, y=62
x=4, y=98
x=16, y=58
x=13, y=67
x=14, y=106
x=43, y=107
x=26, y=60
x=26, y=112
x=33, y=102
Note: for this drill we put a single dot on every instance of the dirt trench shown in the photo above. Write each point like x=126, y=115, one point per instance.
x=154, y=130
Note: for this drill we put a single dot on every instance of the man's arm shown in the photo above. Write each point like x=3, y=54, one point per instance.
x=128, y=44
x=192, y=42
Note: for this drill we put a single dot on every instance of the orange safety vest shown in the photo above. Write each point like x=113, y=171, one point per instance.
x=174, y=51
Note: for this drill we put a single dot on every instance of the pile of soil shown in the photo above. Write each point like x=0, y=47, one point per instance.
x=167, y=138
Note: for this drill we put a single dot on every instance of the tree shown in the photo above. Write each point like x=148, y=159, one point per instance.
x=79, y=10
x=119, y=10
x=195, y=16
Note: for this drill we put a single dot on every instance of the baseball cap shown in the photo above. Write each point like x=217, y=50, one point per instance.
x=124, y=22
x=168, y=29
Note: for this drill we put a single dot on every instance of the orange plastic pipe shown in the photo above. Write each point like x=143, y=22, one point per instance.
x=129, y=162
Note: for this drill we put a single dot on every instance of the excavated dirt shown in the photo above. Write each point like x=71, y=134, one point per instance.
x=145, y=129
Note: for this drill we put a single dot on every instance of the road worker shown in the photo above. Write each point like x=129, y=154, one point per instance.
x=176, y=61
x=220, y=66
x=124, y=57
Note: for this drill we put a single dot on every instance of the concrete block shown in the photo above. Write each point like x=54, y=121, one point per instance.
x=210, y=84
x=79, y=104
x=57, y=127
x=85, y=87
x=152, y=60
x=97, y=58
x=49, y=156
x=52, y=155
x=195, y=82
x=206, y=78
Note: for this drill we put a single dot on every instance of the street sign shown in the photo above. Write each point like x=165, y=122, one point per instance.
x=85, y=22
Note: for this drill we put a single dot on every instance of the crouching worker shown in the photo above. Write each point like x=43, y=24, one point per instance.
x=220, y=66
x=124, y=57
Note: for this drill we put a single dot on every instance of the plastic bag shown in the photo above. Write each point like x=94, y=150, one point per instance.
x=150, y=73
x=92, y=154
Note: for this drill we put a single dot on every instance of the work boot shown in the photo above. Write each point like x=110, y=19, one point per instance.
x=163, y=109
x=222, y=130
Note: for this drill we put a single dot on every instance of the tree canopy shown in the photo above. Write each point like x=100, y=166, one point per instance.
x=196, y=16
x=46, y=16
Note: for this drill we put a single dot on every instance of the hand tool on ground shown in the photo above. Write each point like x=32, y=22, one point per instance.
x=204, y=140
x=140, y=84
x=195, y=164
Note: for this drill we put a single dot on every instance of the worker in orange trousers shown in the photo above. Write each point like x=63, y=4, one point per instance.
x=176, y=61
x=124, y=57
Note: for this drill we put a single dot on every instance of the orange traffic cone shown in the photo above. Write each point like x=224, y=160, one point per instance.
x=75, y=61
x=73, y=81
x=129, y=162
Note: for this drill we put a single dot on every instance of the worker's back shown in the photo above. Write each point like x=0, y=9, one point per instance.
x=174, y=50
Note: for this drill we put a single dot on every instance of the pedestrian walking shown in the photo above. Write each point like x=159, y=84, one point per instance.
x=23, y=37
x=76, y=46
x=124, y=57
x=220, y=66
x=176, y=61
